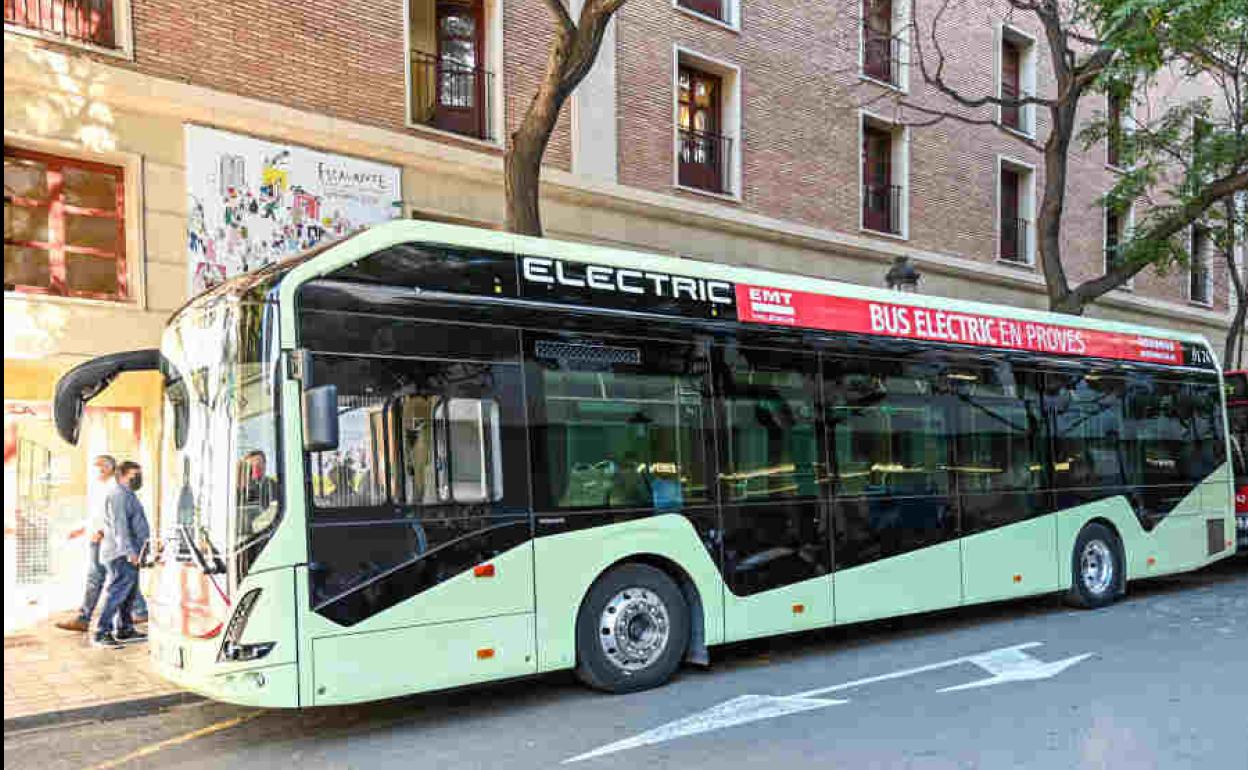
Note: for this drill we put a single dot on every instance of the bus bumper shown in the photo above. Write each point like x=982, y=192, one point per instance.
x=264, y=686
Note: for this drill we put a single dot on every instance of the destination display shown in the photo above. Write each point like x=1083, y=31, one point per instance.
x=764, y=305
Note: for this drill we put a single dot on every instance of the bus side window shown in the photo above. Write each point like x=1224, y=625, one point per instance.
x=467, y=450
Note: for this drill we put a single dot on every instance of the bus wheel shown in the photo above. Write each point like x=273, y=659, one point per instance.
x=1098, y=568
x=632, y=630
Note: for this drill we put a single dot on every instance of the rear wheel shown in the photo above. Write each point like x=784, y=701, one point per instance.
x=1099, y=573
x=632, y=630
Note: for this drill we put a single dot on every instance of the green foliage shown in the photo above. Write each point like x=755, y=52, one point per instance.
x=1173, y=156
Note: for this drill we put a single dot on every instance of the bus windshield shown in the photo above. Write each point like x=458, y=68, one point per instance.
x=223, y=498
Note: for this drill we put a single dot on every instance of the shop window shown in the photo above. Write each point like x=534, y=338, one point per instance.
x=64, y=226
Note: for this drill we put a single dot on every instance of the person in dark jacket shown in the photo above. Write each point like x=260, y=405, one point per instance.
x=126, y=532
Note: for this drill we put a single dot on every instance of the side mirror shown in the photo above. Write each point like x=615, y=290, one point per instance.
x=320, y=418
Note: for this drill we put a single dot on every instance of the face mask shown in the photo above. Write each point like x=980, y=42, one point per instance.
x=136, y=482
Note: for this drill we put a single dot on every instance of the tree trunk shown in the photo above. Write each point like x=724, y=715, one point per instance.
x=1232, y=358
x=522, y=169
x=572, y=54
x=1052, y=207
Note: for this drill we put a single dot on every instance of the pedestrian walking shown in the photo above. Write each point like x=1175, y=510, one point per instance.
x=126, y=532
x=98, y=489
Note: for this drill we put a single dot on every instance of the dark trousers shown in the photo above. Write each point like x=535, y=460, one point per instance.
x=119, y=593
x=97, y=574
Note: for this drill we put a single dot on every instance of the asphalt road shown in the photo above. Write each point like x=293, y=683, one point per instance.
x=1159, y=680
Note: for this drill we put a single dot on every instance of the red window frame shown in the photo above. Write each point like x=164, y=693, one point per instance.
x=79, y=21
x=57, y=208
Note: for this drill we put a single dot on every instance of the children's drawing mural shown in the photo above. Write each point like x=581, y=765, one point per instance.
x=253, y=202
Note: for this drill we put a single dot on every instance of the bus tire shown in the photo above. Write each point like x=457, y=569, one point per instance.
x=632, y=630
x=1097, y=567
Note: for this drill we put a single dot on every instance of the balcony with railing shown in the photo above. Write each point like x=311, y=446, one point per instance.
x=76, y=21
x=1015, y=246
x=881, y=56
x=881, y=208
x=452, y=97
x=705, y=161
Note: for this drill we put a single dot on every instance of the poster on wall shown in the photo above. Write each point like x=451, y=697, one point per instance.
x=253, y=202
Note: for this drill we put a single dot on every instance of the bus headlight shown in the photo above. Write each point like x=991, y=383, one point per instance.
x=231, y=649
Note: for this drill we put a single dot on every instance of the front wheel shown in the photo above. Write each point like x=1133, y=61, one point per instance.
x=632, y=630
x=1099, y=572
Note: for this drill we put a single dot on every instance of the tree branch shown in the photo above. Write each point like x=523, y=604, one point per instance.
x=1165, y=228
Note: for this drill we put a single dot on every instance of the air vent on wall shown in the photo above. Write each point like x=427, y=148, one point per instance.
x=594, y=354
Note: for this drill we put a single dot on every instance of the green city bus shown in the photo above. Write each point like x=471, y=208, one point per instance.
x=430, y=456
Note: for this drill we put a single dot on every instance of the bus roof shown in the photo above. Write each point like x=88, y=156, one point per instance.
x=382, y=236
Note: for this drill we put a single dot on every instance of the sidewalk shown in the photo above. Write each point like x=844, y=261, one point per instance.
x=51, y=675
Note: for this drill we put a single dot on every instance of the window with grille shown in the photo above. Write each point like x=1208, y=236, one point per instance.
x=64, y=226
x=1200, y=274
x=77, y=21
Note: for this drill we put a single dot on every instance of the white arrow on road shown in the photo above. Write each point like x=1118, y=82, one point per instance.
x=1007, y=664
x=738, y=711
x=1014, y=665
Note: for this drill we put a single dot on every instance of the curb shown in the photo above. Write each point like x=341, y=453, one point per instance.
x=104, y=712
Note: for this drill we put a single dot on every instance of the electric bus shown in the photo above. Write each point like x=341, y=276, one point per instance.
x=1237, y=413
x=430, y=456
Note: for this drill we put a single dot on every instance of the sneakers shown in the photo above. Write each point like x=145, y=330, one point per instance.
x=130, y=637
x=106, y=642
x=79, y=624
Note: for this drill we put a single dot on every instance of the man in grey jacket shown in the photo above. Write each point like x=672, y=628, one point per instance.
x=126, y=532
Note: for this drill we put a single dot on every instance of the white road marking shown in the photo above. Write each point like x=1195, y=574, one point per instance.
x=1006, y=664
x=913, y=671
x=1014, y=665
x=738, y=711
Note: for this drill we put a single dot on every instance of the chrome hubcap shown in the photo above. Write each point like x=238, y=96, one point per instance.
x=1097, y=567
x=634, y=629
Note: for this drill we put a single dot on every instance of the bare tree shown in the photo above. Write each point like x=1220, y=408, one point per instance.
x=1092, y=45
x=572, y=54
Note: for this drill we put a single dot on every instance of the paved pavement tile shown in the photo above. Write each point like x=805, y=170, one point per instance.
x=47, y=669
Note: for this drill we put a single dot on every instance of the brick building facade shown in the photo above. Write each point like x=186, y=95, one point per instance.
x=765, y=167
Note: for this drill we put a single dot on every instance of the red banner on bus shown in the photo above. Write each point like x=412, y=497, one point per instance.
x=759, y=304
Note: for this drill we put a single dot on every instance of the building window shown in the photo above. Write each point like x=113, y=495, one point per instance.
x=1117, y=230
x=64, y=226
x=712, y=9
x=881, y=50
x=1016, y=79
x=1016, y=198
x=1011, y=84
x=1117, y=151
x=705, y=152
x=1200, y=268
x=89, y=22
x=884, y=171
x=451, y=89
